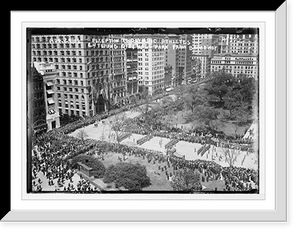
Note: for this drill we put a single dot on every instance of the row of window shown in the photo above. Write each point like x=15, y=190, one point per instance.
x=71, y=96
x=147, y=64
x=72, y=106
x=232, y=62
x=90, y=50
x=243, y=49
x=39, y=104
x=71, y=89
x=236, y=67
x=153, y=73
x=70, y=82
x=57, y=60
x=237, y=71
x=69, y=52
x=153, y=77
x=243, y=44
x=158, y=86
x=80, y=67
x=157, y=81
x=243, y=52
x=72, y=112
x=56, y=46
x=80, y=75
x=118, y=84
x=38, y=95
x=41, y=38
x=37, y=86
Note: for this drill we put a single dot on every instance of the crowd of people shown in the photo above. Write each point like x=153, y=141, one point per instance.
x=193, y=137
x=236, y=178
x=70, y=127
x=54, y=149
x=50, y=160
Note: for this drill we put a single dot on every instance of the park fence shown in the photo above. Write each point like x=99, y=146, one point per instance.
x=123, y=136
x=171, y=143
x=144, y=139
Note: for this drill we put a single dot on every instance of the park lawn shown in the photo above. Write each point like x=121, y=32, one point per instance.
x=231, y=129
x=178, y=120
x=228, y=127
x=211, y=185
x=157, y=177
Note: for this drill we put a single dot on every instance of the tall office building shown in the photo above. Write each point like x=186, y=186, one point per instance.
x=118, y=69
x=205, y=44
x=201, y=65
x=49, y=76
x=184, y=62
x=168, y=76
x=171, y=57
x=238, y=43
x=151, y=60
x=83, y=70
x=36, y=103
x=132, y=71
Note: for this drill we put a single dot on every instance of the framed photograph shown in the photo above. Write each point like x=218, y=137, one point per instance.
x=148, y=119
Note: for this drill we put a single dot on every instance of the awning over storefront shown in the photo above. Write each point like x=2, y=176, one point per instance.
x=50, y=101
x=49, y=83
x=50, y=92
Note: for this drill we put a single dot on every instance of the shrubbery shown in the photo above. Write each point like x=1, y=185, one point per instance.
x=187, y=180
x=131, y=176
x=98, y=169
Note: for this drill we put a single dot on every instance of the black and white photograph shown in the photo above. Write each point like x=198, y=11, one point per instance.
x=138, y=117
x=143, y=110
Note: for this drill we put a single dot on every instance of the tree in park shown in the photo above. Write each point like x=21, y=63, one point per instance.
x=169, y=118
x=193, y=97
x=204, y=115
x=229, y=92
x=82, y=135
x=180, y=91
x=230, y=155
x=130, y=176
x=218, y=87
x=117, y=124
x=240, y=102
x=241, y=118
x=241, y=96
x=187, y=181
x=147, y=115
x=235, y=96
x=248, y=88
x=165, y=101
